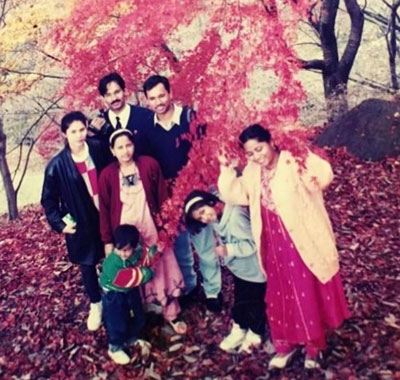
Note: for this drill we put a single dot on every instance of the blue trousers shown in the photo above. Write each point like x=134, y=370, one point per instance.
x=210, y=269
x=123, y=316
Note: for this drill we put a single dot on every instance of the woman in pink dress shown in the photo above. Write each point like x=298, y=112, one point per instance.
x=296, y=244
x=131, y=191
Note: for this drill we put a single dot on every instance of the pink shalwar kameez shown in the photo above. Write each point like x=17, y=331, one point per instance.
x=167, y=282
x=300, y=308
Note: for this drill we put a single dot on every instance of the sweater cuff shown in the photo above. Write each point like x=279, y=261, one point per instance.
x=128, y=278
x=230, y=248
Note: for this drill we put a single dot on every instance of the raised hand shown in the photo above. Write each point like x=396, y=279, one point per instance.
x=97, y=122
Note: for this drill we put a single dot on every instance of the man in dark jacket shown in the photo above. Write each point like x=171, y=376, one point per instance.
x=120, y=114
x=171, y=123
x=70, y=201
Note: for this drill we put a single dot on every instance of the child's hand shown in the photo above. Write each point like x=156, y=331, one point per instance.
x=108, y=248
x=160, y=246
x=221, y=251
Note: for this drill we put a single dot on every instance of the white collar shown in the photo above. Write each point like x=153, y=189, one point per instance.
x=123, y=116
x=175, y=120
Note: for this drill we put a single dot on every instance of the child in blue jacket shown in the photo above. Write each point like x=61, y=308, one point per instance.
x=235, y=245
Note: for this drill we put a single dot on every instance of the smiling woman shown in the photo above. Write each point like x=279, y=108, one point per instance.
x=295, y=243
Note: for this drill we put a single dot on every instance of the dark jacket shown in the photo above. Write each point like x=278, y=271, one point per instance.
x=171, y=148
x=64, y=191
x=139, y=123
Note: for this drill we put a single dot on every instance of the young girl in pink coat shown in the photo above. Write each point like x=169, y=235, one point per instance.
x=131, y=191
x=296, y=244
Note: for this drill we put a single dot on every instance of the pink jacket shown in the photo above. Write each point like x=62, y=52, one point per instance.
x=299, y=202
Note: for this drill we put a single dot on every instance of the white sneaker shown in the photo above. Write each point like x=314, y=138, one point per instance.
x=119, y=357
x=234, y=339
x=94, y=319
x=280, y=360
x=250, y=341
x=311, y=363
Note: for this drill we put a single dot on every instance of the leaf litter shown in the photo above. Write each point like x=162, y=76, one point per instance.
x=43, y=310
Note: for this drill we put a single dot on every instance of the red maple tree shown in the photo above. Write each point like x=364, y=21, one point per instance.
x=240, y=68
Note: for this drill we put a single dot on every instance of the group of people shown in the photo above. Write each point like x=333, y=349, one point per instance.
x=268, y=225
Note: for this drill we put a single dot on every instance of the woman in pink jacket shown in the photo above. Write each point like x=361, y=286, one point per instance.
x=296, y=244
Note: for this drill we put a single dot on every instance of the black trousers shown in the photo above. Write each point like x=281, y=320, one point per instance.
x=91, y=282
x=123, y=316
x=249, y=305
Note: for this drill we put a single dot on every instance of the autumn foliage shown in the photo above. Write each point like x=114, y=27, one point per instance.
x=236, y=68
x=25, y=59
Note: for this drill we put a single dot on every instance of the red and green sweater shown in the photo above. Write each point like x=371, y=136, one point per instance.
x=122, y=275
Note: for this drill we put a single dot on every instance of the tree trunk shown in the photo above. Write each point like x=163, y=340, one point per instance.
x=392, y=45
x=6, y=176
x=335, y=90
x=335, y=71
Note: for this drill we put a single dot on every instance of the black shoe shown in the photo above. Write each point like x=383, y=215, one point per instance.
x=214, y=304
x=188, y=299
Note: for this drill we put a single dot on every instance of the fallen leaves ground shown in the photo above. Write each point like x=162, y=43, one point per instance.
x=42, y=309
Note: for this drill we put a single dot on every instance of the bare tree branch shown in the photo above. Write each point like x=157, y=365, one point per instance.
x=313, y=64
x=27, y=162
x=34, y=124
x=308, y=43
x=270, y=8
x=373, y=84
x=353, y=43
x=3, y=12
x=48, y=55
x=311, y=17
x=379, y=20
x=42, y=75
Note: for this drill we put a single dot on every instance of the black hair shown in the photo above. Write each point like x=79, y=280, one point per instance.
x=125, y=235
x=106, y=80
x=70, y=117
x=153, y=81
x=119, y=133
x=255, y=132
x=207, y=199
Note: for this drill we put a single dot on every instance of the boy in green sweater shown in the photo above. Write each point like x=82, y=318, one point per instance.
x=123, y=271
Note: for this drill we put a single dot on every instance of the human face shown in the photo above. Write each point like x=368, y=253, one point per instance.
x=205, y=214
x=159, y=99
x=260, y=152
x=123, y=149
x=76, y=135
x=114, y=97
x=125, y=252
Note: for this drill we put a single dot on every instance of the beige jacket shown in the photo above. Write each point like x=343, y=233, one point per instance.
x=299, y=202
